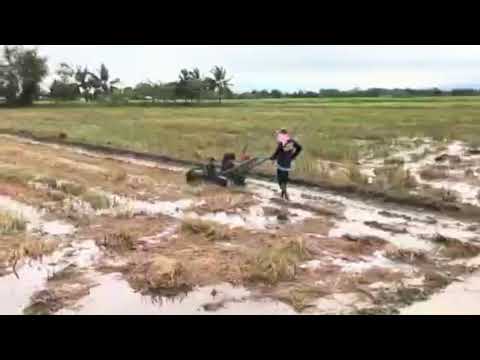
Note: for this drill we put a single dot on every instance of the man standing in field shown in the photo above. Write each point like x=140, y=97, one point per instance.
x=287, y=150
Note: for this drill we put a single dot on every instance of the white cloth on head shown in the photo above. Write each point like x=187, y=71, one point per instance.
x=283, y=138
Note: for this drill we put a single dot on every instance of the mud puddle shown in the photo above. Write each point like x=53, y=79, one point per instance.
x=358, y=215
x=35, y=218
x=253, y=217
x=355, y=212
x=16, y=292
x=408, y=228
x=220, y=299
x=174, y=209
x=456, y=160
x=339, y=216
x=459, y=298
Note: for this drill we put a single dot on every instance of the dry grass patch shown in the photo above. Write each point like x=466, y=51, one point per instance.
x=97, y=201
x=347, y=246
x=14, y=175
x=225, y=202
x=159, y=274
x=120, y=241
x=354, y=175
x=278, y=263
x=454, y=248
x=406, y=256
x=301, y=297
x=11, y=224
x=72, y=188
x=34, y=249
x=393, y=178
x=56, y=195
x=26, y=249
x=433, y=173
x=363, y=244
x=117, y=175
x=442, y=194
x=207, y=229
x=377, y=274
x=46, y=180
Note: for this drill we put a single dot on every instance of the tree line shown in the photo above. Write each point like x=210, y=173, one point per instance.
x=191, y=86
x=23, y=70
x=372, y=92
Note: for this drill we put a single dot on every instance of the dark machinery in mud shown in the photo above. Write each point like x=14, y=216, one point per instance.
x=228, y=173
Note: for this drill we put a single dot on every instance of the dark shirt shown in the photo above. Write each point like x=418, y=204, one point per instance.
x=285, y=154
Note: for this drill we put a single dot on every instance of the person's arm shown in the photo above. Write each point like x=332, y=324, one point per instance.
x=275, y=154
x=298, y=149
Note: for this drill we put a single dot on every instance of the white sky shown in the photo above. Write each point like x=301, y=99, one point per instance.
x=287, y=68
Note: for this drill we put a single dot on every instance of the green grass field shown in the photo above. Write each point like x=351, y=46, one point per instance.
x=333, y=129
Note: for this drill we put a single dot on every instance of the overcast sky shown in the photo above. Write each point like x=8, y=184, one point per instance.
x=286, y=68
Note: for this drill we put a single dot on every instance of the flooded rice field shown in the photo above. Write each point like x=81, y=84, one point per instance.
x=86, y=233
x=453, y=167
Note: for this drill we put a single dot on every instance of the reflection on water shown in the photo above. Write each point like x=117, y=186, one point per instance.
x=114, y=296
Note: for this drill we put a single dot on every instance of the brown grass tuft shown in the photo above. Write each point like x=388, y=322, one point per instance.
x=454, y=248
x=120, y=241
x=278, y=263
x=97, y=201
x=11, y=224
x=433, y=173
x=158, y=274
x=72, y=188
x=207, y=229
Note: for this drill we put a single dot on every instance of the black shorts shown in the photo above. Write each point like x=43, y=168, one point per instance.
x=282, y=176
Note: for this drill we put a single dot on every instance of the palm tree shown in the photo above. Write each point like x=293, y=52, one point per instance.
x=184, y=75
x=81, y=77
x=101, y=81
x=219, y=82
x=190, y=84
x=195, y=74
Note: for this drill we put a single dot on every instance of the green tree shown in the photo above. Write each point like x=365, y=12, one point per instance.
x=165, y=91
x=21, y=73
x=181, y=89
x=276, y=94
x=89, y=84
x=83, y=84
x=64, y=91
x=128, y=92
x=144, y=89
x=66, y=73
x=101, y=82
x=219, y=83
x=65, y=87
x=190, y=85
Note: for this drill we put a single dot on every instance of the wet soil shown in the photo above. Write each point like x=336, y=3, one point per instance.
x=163, y=247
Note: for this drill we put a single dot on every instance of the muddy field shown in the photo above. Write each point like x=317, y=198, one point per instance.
x=86, y=233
